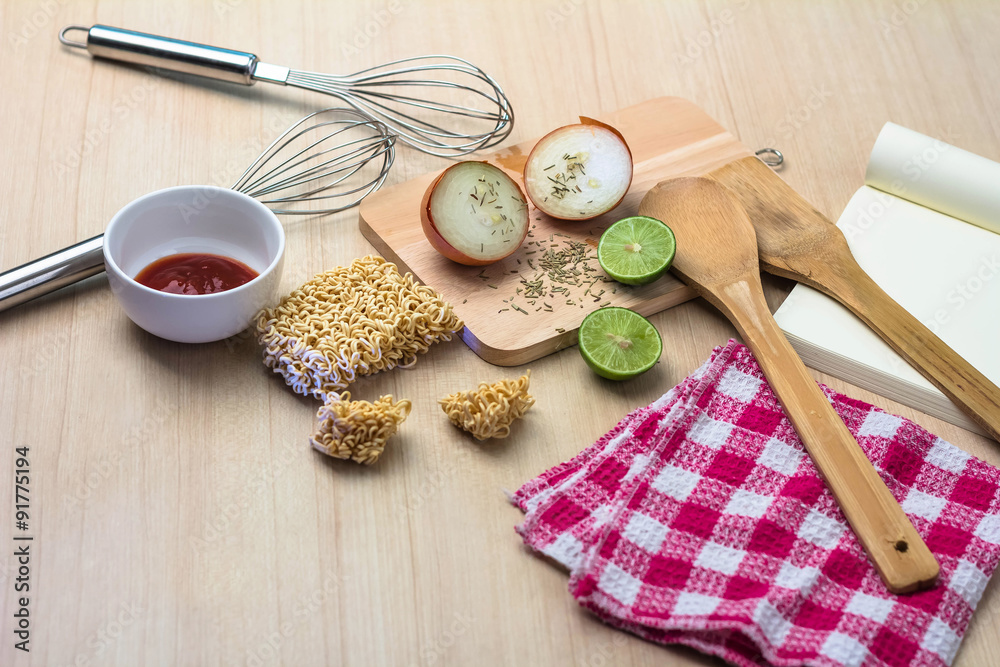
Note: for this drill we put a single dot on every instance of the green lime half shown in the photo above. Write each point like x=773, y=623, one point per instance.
x=618, y=343
x=636, y=250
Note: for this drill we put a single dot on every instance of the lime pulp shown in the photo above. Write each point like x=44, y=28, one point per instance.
x=636, y=250
x=618, y=343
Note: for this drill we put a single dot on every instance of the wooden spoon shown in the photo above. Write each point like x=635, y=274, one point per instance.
x=796, y=241
x=717, y=256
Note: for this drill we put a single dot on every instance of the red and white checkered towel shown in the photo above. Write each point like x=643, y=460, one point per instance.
x=700, y=520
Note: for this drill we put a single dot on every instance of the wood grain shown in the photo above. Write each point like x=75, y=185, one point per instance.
x=668, y=137
x=173, y=486
x=796, y=241
x=720, y=262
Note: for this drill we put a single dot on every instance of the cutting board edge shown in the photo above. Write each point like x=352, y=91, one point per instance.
x=536, y=351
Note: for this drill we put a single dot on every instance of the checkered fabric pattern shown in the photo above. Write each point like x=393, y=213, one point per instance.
x=700, y=520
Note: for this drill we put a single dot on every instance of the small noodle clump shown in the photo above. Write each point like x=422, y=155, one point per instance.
x=358, y=430
x=488, y=411
x=349, y=322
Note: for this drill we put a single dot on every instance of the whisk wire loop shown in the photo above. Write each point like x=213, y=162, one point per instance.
x=312, y=159
x=421, y=122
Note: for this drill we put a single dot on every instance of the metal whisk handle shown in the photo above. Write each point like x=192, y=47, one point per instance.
x=51, y=272
x=173, y=54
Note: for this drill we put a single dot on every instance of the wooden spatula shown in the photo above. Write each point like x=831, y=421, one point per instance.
x=796, y=241
x=717, y=256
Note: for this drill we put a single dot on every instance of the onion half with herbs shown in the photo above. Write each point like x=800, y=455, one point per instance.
x=579, y=172
x=474, y=213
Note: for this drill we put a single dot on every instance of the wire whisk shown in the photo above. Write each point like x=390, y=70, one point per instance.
x=376, y=91
x=440, y=105
x=326, y=162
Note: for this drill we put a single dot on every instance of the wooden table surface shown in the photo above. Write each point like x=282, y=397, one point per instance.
x=179, y=516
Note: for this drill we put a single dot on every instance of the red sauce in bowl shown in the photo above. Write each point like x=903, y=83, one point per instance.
x=195, y=273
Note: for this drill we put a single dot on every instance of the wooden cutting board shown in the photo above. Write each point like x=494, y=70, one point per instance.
x=668, y=136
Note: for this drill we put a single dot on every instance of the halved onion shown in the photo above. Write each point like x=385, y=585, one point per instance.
x=474, y=213
x=578, y=172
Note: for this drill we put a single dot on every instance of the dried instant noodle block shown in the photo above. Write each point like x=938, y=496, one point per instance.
x=358, y=430
x=349, y=322
x=488, y=412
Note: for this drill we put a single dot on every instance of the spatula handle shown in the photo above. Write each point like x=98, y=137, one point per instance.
x=967, y=388
x=902, y=559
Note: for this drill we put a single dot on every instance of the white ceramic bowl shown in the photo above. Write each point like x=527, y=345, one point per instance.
x=193, y=219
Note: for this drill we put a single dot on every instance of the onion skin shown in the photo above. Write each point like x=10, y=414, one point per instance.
x=584, y=120
x=438, y=241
